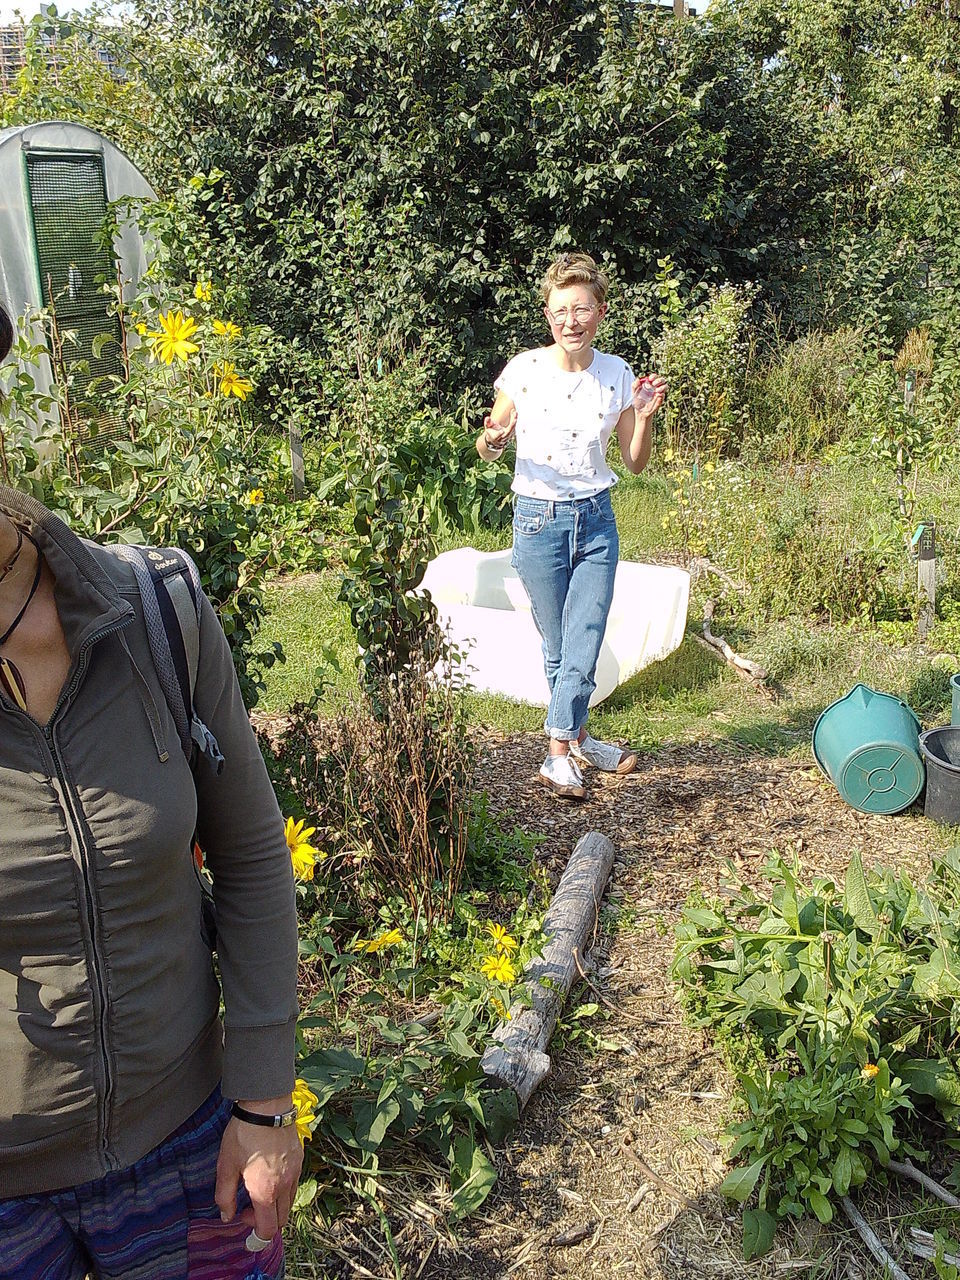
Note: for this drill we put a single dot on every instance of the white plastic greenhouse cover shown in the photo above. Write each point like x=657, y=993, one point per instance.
x=480, y=598
x=20, y=288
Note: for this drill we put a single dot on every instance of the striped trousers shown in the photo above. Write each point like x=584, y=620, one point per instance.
x=156, y=1220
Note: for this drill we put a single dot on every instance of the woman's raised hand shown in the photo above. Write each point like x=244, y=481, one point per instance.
x=496, y=434
x=649, y=393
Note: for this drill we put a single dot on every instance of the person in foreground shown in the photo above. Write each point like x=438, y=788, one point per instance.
x=561, y=403
x=119, y=1155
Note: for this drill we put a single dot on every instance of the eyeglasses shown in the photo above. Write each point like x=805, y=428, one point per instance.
x=582, y=315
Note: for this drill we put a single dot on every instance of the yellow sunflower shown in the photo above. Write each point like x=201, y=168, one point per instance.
x=499, y=969
x=227, y=329
x=305, y=1100
x=230, y=383
x=392, y=938
x=502, y=939
x=172, y=340
x=302, y=854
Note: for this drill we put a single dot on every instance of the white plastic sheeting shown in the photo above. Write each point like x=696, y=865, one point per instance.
x=20, y=286
x=483, y=603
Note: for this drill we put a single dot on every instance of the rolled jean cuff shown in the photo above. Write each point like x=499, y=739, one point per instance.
x=562, y=735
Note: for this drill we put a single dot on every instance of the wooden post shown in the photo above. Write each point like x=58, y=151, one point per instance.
x=927, y=577
x=679, y=8
x=909, y=388
x=517, y=1055
x=296, y=461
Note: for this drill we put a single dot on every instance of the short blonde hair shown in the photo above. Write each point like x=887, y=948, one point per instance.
x=575, y=268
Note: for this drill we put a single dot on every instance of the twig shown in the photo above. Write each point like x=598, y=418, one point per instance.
x=637, y=1197
x=427, y=1257
x=751, y=670
x=872, y=1240
x=907, y=1170
x=575, y=1235
x=607, y=1004
x=699, y=566
x=655, y=1178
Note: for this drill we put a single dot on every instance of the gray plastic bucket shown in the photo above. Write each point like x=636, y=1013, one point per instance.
x=955, y=699
x=941, y=751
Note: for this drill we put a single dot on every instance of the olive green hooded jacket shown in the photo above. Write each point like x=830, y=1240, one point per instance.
x=110, y=1035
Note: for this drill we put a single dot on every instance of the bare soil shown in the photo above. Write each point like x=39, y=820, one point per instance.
x=614, y=1168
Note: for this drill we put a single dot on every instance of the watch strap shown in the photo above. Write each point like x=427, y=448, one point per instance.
x=281, y=1121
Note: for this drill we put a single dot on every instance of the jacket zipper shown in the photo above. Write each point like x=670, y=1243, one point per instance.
x=73, y=813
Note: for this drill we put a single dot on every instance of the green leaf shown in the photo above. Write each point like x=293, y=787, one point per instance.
x=306, y=1193
x=99, y=342
x=739, y=1183
x=842, y=1171
x=856, y=897
x=759, y=1228
x=820, y=1205
x=500, y=1113
x=471, y=1182
x=461, y=1045
x=372, y=1120
x=330, y=1071
x=935, y=1078
x=584, y=1011
x=702, y=916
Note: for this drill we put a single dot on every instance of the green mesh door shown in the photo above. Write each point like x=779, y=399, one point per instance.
x=68, y=199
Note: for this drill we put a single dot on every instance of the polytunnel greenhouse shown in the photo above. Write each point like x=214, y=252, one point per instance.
x=56, y=182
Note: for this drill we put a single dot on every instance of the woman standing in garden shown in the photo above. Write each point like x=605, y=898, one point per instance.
x=120, y=1157
x=561, y=403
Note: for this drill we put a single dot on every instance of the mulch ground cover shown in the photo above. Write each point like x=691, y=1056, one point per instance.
x=614, y=1167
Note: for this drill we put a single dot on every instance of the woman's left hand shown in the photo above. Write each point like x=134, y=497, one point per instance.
x=649, y=393
x=269, y=1162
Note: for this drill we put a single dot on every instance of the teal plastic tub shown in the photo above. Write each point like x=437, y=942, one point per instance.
x=955, y=699
x=868, y=745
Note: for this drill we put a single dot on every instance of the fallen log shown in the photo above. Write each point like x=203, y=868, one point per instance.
x=517, y=1056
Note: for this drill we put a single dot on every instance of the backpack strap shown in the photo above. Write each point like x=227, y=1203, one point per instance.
x=170, y=591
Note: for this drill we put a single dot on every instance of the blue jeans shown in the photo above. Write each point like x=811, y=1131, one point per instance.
x=565, y=554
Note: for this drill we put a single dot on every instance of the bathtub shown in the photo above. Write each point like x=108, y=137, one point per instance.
x=486, y=610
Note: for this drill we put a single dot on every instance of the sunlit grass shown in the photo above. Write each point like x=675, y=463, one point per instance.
x=691, y=695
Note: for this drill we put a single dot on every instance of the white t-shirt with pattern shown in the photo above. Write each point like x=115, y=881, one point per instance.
x=564, y=422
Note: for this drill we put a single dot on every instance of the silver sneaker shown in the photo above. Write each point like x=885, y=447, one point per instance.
x=604, y=755
x=561, y=775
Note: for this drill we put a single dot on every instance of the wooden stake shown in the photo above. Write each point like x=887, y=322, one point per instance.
x=296, y=462
x=927, y=577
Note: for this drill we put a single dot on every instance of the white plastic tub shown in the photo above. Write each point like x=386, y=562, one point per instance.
x=483, y=603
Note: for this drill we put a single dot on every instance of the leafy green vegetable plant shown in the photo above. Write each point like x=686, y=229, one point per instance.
x=837, y=1012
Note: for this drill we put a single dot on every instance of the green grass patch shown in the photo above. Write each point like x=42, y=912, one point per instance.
x=691, y=695
x=305, y=616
